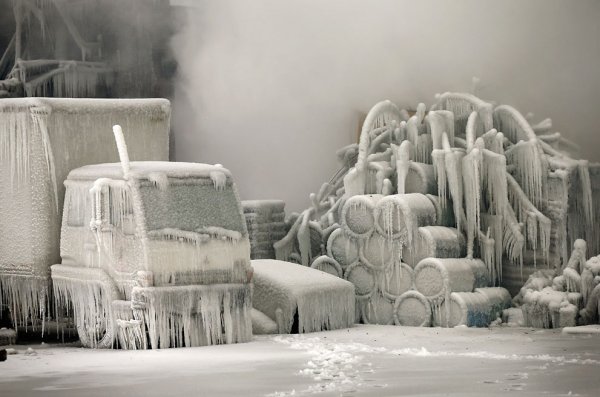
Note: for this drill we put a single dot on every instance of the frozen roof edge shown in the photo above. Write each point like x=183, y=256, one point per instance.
x=88, y=104
x=141, y=169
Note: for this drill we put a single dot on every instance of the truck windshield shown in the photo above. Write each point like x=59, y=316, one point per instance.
x=191, y=205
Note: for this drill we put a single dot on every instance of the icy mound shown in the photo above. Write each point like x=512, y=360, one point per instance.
x=284, y=290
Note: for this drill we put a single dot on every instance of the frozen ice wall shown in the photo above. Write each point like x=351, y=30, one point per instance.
x=272, y=88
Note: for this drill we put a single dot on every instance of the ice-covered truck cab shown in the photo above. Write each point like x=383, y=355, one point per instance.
x=154, y=250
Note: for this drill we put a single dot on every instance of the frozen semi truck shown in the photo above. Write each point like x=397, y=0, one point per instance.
x=154, y=253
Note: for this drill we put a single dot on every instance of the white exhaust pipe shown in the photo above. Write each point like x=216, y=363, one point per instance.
x=122, y=148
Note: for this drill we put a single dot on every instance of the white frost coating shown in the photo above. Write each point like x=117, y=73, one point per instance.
x=321, y=301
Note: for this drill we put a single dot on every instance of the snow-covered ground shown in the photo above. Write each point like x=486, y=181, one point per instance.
x=362, y=361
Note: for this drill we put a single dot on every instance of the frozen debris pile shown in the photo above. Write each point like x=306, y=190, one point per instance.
x=155, y=254
x=265, y=220
x=300, y=299
x=566, y=297
x=41, y=140
x=442, y=203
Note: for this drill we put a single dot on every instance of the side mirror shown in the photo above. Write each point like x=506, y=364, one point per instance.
x=100, y=205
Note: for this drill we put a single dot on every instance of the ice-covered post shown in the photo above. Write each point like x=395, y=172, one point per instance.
x=122, y=148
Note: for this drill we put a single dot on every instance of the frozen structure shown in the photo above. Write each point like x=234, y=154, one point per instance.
x=41, y=140
x=265, y=220
x=165, y=257
x=432, y=214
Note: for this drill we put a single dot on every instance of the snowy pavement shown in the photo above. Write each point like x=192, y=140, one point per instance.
x=362, y=361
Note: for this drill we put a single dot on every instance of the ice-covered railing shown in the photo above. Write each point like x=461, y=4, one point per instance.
x=72, y=79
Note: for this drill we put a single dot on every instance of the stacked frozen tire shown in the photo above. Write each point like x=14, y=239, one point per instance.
x=406, y=264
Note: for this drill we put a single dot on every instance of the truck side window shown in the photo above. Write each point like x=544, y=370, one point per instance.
x=121, y=211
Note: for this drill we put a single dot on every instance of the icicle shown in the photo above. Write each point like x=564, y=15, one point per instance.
x=26, y=298
x=436, y=126
x=471, y=130
x=531, y=169
x=423, y=149
x=40, y=117
x=471, y=168
x=18, y=126
x=196, y=315
x=412, y=133
x=493, y=177
x=439, y=169
x=586, y=192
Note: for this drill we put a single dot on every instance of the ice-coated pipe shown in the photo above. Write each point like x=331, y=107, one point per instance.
x=122, y=148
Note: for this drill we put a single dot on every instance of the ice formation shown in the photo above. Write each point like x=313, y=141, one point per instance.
x=164, y=261
x=41, y=140
x=563, y=297
x=468, y=194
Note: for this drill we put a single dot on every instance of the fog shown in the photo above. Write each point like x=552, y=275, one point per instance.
x=271, y=88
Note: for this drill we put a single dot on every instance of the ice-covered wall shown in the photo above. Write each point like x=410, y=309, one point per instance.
x=272, y=88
